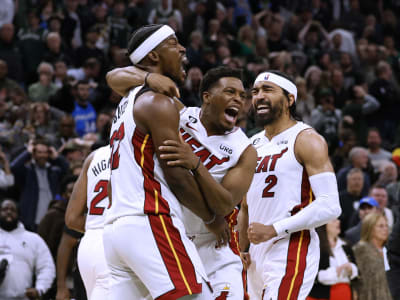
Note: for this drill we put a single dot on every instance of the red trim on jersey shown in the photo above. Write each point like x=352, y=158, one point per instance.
x=177, y=261
x=222, y=296
x=154, y=202
x=234, y=244
x=295, y=265
x=307, y=196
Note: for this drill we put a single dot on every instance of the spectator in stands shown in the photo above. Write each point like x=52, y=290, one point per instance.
x=38, y=172
x=387, y=173
x=60, y=73
x=360, y=107
x=305, y=102
x=6, y=84
x=385, y=90
x=325, y=118
x=84, y=113
x=6, y=176
x=163, y=12
x=372, y=260
x=66, y=131
x=119, y=27
x=380, y=194
x=9, y=52
x=358, y=157
x=89, y=49
x=42, y=90
x=31, y=45
x=89, y=71
x=367, y=205
x=190, y=90
x=55, y=51
x=194, y=51
x=71, y=25
x=351, y=196
x=376, y=153
x=26, y=255
x=337, y=267
x=339, y=91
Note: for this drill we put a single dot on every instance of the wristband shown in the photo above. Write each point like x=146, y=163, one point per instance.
x=145, y=78
x=211, y=221
x=197, y=166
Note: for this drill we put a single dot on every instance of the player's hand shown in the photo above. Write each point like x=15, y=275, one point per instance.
x=178, y=154
x=163, y=85
x=32, y=293
x=246, y=259
x=62, y=293
x=258, y=233
x=221, y=230
x=346, y=268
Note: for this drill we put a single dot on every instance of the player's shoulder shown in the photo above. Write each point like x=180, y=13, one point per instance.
x=309, y=143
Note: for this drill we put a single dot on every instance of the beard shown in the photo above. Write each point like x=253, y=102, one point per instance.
x=8, y=225
x=274, y=114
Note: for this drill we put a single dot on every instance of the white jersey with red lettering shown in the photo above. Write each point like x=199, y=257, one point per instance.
x=218, y=153
x=91, y=259
x=145, y=243
x=285, y=266
x=98, y=175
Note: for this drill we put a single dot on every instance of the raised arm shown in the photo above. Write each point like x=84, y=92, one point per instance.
x=121, y=80
x=75, y=215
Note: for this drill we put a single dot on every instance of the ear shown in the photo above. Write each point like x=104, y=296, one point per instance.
x=206, y=97
x=153, y=56
x=291, y=100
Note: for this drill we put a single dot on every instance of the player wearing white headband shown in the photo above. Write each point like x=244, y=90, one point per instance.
x=146, y=247
x=293, y=191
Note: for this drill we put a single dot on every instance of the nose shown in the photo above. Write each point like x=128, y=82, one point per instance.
x=182, y=49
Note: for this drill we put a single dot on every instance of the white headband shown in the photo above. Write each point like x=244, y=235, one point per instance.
x=150, y=43
x=285, y=84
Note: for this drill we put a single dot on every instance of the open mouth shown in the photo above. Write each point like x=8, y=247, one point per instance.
x=231, y=114
x=263, y=108
x=184, y=64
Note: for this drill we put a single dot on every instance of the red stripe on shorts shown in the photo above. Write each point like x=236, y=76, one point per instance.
x=295, y=265
x=177, y=261
x=143, y=148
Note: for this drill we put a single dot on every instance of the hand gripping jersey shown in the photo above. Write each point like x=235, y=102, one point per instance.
x=98, y=175
x=218, y=154
x=137, y=180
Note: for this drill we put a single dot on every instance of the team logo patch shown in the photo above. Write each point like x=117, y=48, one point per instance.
x=266, y=77
x=256, y=141
x=192, y=119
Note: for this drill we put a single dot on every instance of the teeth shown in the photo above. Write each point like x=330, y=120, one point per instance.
x=234, y=108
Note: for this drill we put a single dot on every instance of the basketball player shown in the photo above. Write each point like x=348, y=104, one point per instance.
x=90, y=194
x=146, y=246
x=224, y=165
x=293, y=191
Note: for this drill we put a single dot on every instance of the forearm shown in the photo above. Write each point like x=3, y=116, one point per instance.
x=324, y=208
x=186, y=190
x=243, y=224
x=217, y=197
x=121, y=80
x=63, y=256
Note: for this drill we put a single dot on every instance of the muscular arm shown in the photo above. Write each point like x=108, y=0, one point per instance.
x=64, y=252
x=121, y=80
x=222, y=198
x=160, y=117
x=75, y=215
x=243, y=224
x=312, y=152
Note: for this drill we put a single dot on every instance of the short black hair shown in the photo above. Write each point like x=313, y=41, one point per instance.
x=140, y=35
x=292, y=108
x=211, y=78
x=83, y=81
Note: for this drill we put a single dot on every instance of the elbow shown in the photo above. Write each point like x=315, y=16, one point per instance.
x=71, y=221
x=109, y=76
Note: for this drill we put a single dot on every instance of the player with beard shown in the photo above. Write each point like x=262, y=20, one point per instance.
x=24, y=255
x=223, y=165
x=293, y=191
x=145, y=243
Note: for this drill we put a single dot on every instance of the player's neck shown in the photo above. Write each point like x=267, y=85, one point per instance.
x=278, y=126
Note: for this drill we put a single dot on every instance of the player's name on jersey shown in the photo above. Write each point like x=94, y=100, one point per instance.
x=120, y=111
x=101, y=166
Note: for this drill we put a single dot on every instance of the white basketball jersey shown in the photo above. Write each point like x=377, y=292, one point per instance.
x=218, y=154
x=137, y=180
x=280, y=186
x=98, y=175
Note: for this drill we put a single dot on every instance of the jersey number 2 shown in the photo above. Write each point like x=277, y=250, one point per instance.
x=115, y=140
x=271, y=181
x=101, y=189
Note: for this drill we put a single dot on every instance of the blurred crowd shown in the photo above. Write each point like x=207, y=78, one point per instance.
x=55, y=104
